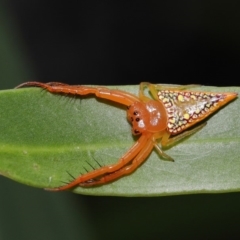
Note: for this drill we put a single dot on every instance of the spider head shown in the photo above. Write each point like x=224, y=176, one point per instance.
x=147, y=117
x=138, y=115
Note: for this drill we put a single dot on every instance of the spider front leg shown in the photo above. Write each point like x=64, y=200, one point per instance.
x=107, y=173
x=143, y=154
x=126, y=169
x=113, y=95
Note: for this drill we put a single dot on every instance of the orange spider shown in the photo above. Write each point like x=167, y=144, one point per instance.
x=163, y=118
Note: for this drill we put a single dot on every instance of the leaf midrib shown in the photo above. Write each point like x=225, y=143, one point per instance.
x=97, y=146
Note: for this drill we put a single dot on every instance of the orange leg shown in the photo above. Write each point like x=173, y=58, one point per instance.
x=126, y=169
x=94, y=177
x=100, y=92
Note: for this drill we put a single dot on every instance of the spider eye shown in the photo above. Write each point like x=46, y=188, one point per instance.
x=135, y=113
x=138, y=115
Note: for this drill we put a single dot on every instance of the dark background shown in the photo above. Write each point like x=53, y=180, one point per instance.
x=109, y=43
x=126, y=42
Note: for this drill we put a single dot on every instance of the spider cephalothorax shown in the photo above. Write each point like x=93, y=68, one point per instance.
x=147, y=117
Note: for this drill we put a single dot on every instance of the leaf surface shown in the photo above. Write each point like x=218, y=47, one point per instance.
x=44, y=136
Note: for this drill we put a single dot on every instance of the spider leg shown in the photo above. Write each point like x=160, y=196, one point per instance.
x=56, y=84
x=142, y=96
x=162, y=153
x=154, y=88
x=118, y=96
x=127, y=169
x=160, y=135
x=167, y=141
x=91, y=177
x=171, y=87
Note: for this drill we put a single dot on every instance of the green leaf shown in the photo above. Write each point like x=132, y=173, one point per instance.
x=44, y=136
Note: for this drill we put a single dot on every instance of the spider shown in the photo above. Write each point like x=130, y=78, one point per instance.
x=167, y=117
